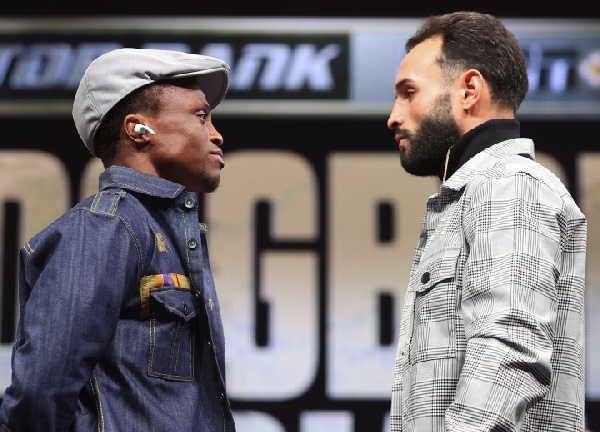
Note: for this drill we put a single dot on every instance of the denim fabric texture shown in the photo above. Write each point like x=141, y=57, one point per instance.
x=120, y=326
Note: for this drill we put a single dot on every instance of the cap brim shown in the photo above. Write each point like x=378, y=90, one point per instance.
x=213, y=82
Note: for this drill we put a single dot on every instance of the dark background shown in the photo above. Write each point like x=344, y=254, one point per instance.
x=308, y=8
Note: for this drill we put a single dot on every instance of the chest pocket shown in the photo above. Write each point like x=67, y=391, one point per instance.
x=435, y=318
x=171, y=310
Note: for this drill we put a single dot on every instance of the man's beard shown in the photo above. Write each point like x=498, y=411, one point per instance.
x=210, y=184
x=429, y=143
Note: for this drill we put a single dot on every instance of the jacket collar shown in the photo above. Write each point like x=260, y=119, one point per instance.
x=136, y=181
x=478, y=139
x=488, y=158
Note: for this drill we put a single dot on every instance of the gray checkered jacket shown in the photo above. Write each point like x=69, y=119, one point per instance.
x=492, y=331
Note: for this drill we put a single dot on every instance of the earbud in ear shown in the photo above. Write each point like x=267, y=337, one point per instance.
x=142, y=129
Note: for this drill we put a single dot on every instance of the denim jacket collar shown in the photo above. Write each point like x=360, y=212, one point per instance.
x=136, y=181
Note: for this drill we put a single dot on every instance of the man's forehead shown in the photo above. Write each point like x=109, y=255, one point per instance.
x=421, y=61
x=176, y=94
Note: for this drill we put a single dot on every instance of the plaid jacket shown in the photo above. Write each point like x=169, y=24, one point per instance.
x=492, y=331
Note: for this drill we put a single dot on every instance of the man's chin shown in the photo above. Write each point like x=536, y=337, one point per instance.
x=416, y=170
x=211, y=185
x=206, y=185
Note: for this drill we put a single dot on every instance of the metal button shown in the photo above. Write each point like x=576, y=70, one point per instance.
x=190, y=203
x=425, y=277
x=192, y=243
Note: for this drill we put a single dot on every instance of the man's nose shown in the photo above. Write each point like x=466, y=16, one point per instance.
x=396, y=118
x=215, y=136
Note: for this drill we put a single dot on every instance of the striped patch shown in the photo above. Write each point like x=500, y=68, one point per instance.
x=159, y=281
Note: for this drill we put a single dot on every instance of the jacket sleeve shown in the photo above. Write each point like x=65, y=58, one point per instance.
x=73, y=277
x=508, y=304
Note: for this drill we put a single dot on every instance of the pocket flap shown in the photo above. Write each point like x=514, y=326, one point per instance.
x=436, y=267
x=179, y=301
x=152, y=282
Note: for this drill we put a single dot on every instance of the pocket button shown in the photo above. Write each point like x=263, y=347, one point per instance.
x=425, y=277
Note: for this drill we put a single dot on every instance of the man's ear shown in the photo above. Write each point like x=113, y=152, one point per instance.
x=473, y=89
x=129, y=125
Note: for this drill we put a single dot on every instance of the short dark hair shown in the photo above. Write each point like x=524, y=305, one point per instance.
x=473, y=40
x=145, y=99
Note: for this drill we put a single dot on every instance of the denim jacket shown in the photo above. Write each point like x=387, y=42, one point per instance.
x=119, y=327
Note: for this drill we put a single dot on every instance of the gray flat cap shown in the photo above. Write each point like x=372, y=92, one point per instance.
x=114, y=75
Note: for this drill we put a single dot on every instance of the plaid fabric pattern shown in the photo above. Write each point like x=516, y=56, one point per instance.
x=492, y=329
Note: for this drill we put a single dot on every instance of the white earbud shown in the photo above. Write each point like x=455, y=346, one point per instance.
x=142, y=129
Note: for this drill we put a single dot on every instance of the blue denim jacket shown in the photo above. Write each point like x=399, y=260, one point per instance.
x=119, y=327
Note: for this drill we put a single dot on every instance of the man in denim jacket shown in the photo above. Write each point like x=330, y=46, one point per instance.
x=492, y=334
x=120, y=327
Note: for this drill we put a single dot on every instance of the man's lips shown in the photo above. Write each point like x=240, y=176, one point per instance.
x=399, y=139
x=218, y=157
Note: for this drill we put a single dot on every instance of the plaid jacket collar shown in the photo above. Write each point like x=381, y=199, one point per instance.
x=486, y=160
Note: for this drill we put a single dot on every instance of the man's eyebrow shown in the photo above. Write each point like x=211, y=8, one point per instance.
x=403, y=82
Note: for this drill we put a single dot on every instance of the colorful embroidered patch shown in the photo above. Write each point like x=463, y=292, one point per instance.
x=159, y=281
x=160, y=243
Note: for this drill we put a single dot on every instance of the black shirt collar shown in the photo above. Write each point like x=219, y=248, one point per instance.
x=478, y=139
